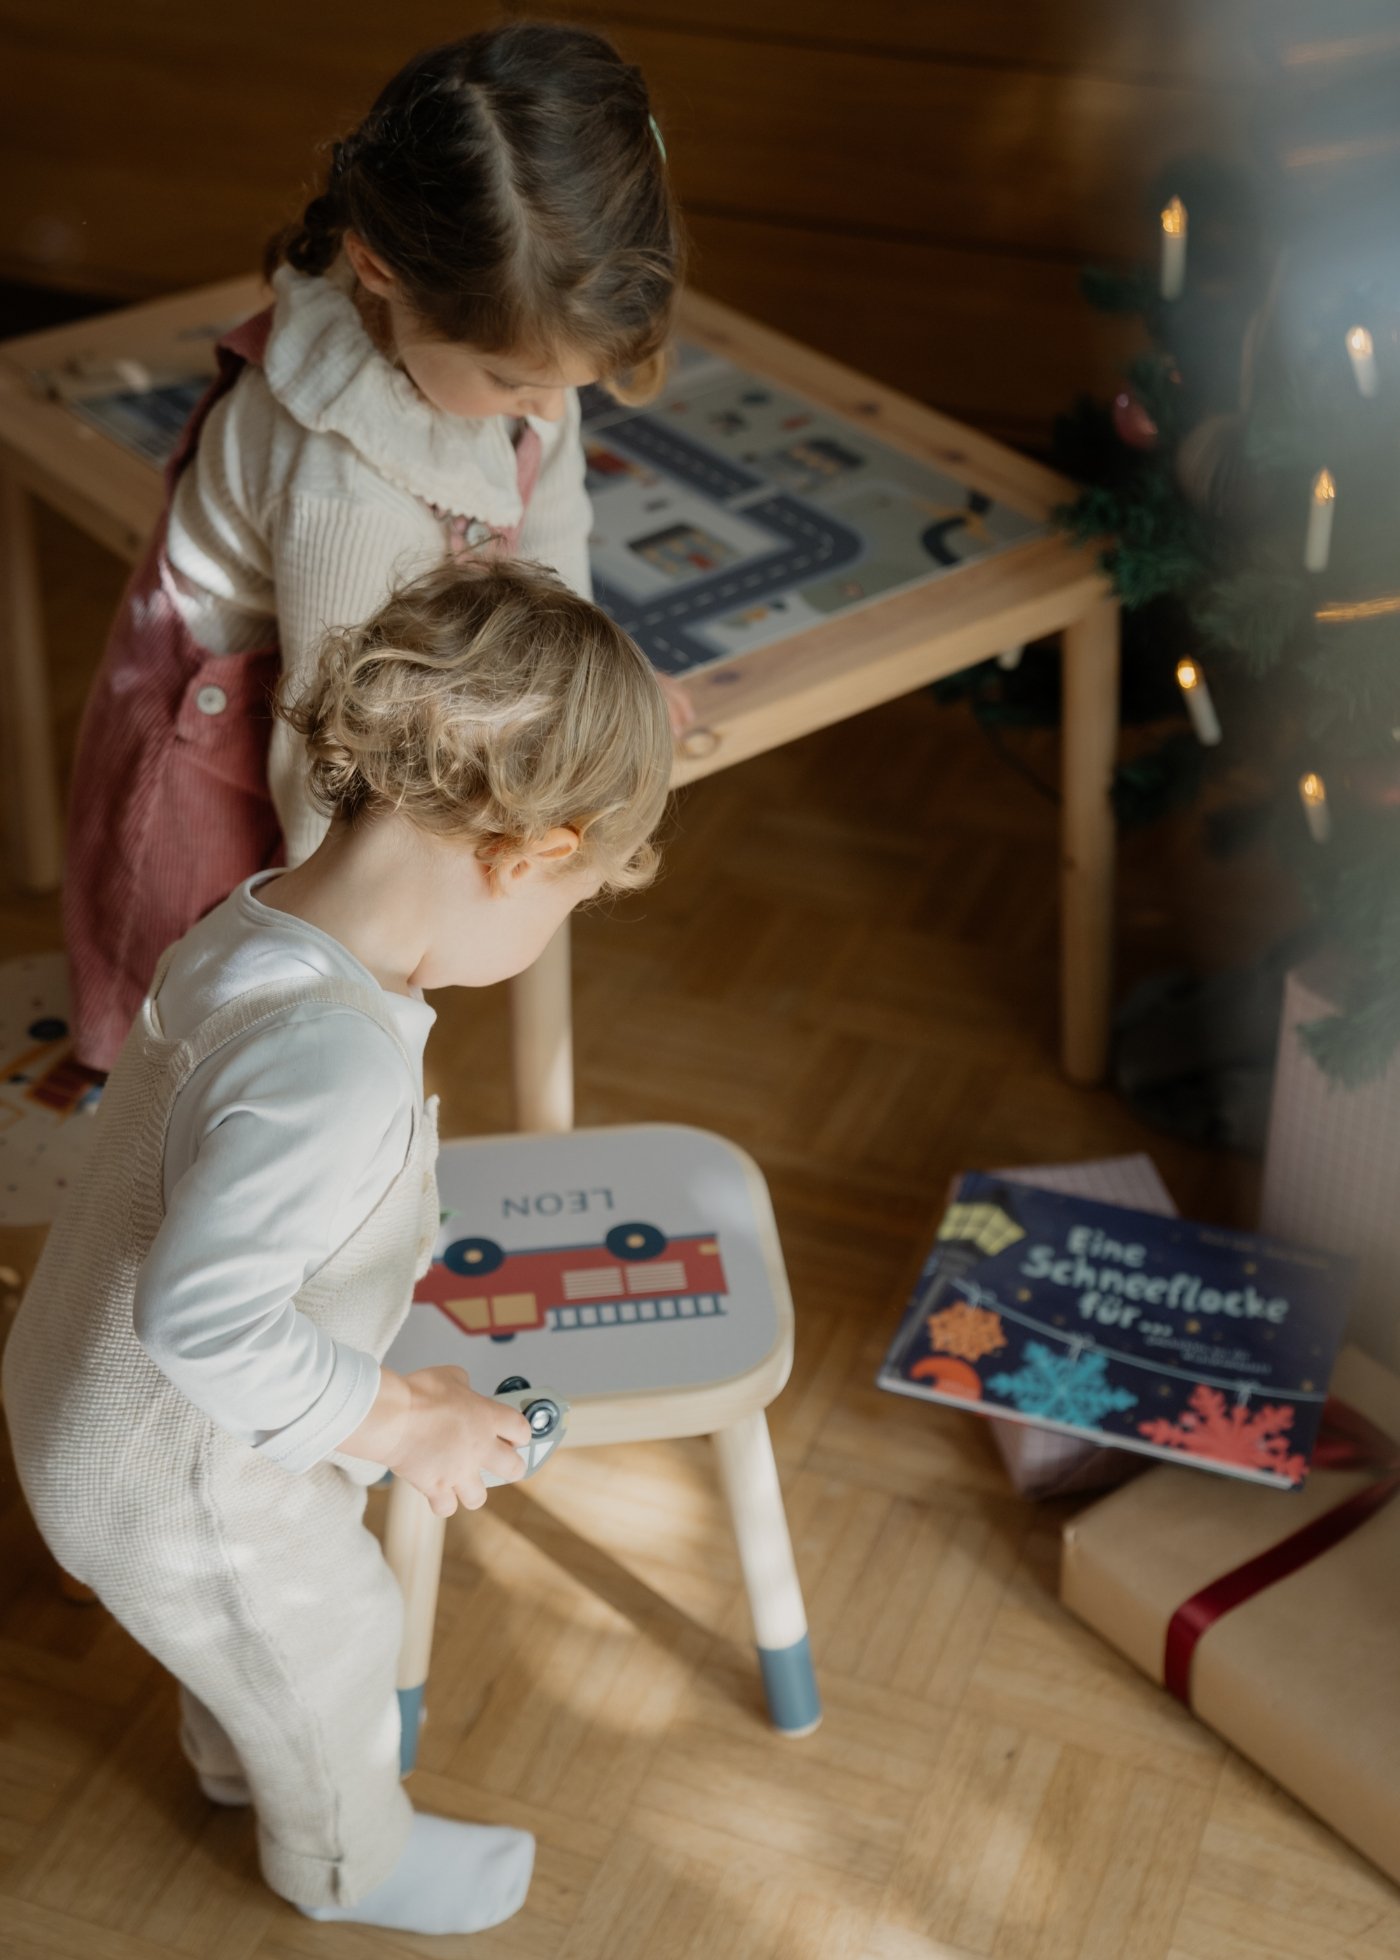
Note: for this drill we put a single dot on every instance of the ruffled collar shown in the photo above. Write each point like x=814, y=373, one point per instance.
x=324, y=369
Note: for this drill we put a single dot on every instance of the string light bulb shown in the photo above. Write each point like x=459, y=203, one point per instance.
x=1361, y=352
x=1317, y=547
x=1313, y=792
x=1199, y=704
x=1174, y=229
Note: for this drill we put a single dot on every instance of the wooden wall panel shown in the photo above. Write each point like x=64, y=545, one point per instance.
x=1001, y=340
x=1011, y=158
x=910, y=186
x=1200, y=41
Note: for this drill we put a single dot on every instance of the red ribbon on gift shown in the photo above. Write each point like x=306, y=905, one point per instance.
x=1350, y=1441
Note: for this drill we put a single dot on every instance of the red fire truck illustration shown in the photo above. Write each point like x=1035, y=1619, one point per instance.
x=636, y=1275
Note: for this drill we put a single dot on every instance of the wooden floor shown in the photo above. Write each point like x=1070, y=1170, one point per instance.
x=850, y=969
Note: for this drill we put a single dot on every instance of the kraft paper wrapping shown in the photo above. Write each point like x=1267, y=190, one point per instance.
x=1304, y=1678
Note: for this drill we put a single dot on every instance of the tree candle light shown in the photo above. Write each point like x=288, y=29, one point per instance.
x=1313, y=792
x=1317, y=547
x=1361, y=353
x=1173, y=249
x=1199, y=705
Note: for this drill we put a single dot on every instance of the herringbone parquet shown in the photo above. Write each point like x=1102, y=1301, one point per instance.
x=850, y=969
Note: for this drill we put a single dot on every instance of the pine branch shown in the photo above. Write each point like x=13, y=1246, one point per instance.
x=1254, y=614
x=1356, y=675
x=1158, y=544
x=1353, y=1048
x=1356, y=892
x=1282, y=439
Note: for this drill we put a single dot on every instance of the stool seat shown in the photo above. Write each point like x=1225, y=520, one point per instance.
x=635, y=1269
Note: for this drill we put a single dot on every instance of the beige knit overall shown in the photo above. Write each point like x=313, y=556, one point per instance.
x=260, y=1590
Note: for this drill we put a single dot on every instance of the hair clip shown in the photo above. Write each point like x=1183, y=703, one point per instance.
x=657, y=134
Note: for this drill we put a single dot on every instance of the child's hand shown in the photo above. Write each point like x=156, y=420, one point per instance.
x=450, y=1435
x=432, y=1429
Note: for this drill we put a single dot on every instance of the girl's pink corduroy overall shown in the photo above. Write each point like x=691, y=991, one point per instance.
x=170, y=807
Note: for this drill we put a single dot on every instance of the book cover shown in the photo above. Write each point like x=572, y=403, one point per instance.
x=1045, y=1462
x=1189, y=1342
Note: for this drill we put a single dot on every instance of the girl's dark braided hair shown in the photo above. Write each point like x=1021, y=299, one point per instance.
x=514, y=184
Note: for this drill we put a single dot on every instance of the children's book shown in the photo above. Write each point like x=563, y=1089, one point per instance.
x=1189, y=1342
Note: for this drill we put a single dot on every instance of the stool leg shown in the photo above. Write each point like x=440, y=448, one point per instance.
x=24, y=709
x=413, y=1539
x=542, y=1039
x=750, y=1479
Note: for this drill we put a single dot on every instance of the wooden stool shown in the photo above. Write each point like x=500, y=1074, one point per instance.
x=637, y=1271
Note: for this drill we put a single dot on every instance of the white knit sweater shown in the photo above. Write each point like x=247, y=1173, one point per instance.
x=309, y=499
x=279, y=1147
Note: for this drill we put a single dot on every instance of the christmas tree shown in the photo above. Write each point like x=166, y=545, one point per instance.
x=1247, y=480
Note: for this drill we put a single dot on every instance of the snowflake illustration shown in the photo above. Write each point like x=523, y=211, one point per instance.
x=1253, y=1438
x=1062, y=1388
x=968, y=1332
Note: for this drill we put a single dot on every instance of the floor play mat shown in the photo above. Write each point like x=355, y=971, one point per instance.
x=47, y=1099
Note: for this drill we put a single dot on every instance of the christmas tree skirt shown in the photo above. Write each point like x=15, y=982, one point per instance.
x=1284, y=1645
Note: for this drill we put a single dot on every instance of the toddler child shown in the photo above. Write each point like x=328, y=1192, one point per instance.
x=498, y=231
x=194, y=1382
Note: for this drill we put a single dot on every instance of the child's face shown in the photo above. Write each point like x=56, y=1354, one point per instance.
x=461, y=380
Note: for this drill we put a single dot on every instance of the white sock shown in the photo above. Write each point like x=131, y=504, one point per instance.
x=230, y=1791
x=451, y=1878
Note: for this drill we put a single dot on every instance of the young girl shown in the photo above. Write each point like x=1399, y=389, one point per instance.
x=194, y=1384
x=498, y=231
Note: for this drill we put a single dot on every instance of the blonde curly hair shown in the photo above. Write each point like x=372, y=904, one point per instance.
x=488, y=701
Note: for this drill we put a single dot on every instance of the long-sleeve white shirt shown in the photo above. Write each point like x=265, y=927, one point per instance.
x=279, y=1147
x=310, y=498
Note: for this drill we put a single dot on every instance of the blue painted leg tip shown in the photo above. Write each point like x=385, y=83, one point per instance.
x=410, y=1721
x=791, y=1687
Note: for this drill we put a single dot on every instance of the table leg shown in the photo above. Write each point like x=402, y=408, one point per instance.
x=1089, y=749
x=750, y=1479
x=542, y=1039
x=413, y=1541
x=34, y=801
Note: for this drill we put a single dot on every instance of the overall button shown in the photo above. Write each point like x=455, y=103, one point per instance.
x=211, y=700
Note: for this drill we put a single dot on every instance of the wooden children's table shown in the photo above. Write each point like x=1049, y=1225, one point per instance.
x=773, y=680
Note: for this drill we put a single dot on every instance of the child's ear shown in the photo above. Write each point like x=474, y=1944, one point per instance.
x=368, y=267
x=508, y=866
x=556, y=847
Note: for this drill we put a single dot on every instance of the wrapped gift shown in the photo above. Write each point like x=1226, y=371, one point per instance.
x=1046, y=1462
x=1272, y=1614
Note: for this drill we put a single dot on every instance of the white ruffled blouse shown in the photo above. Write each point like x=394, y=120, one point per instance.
x=324, y=479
